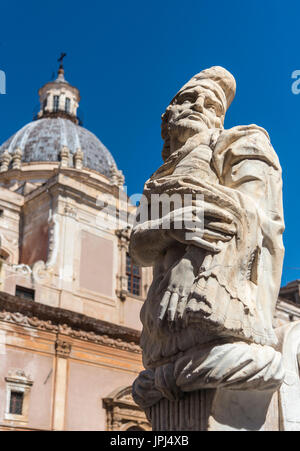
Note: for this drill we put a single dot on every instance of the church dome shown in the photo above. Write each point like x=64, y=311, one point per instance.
x=55, y=135
x=43, y=139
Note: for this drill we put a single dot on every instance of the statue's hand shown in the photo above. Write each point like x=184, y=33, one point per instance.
x=177, y=283
x=212, y=225
x=208, y=137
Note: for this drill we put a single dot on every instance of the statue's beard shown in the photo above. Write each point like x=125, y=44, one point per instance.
x=185, y=128
x=181, y=128
x=188, y=121
x=188, y=124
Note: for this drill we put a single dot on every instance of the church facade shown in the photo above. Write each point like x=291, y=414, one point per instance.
x=70, y=294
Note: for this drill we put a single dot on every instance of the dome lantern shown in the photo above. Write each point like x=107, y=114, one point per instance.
x=56, y=137
x=58, y=98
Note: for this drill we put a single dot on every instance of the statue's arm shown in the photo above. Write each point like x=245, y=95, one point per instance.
x=247, y=164
x=249, y=169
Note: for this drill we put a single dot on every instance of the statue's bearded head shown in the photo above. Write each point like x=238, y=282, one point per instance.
x=200, y=104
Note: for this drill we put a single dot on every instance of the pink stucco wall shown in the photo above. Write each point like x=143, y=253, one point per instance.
x=88, y=385
x=96, y=263
x=39, y=367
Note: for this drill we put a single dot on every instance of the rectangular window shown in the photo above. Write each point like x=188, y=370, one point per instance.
x=55, y=103
x=25, y=293
x=45, y=103
x=133, y=273
x=67, y=105
x=16, y=402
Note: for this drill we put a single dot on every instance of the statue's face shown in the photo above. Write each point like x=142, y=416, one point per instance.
x=191, y=111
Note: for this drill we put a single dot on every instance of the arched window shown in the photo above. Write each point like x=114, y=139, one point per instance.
x=67, y=105
x=122, y=414
x=45, y=103
x=133, y=274
x=55, y=103
x=134, y=428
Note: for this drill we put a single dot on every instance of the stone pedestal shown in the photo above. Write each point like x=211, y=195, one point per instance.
x=191, y=413
x=217, y=410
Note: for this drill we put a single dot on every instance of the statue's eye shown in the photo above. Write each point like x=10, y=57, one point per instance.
x=187, y=98
x=214, y=107
x=210, y=106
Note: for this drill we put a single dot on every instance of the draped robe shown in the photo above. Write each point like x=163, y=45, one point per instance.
x=235, y=292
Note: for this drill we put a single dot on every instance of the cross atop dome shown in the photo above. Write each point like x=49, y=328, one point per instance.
x=61, y=70
x=60, y=59
x=58, y=98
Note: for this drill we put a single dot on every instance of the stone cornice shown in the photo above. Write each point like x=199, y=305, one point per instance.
x=288, y=306
x=48, y=170
x=75, y=325
x=66, y=184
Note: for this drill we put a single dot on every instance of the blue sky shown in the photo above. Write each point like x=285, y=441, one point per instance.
x=129, y=58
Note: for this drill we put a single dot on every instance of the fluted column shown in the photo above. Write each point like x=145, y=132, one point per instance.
x=191, y=413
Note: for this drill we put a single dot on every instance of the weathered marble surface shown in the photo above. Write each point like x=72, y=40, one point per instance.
x=207, y=320
x=289, y=393
x=217, y=410
x=227, y=409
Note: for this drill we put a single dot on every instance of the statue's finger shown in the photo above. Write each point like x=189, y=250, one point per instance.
x=229, y=229
x=173, y=306
x=211, y=235
x=199, y=242
x=164, y=305
x=181, y=306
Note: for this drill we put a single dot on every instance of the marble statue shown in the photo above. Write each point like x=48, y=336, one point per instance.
x=207, y=320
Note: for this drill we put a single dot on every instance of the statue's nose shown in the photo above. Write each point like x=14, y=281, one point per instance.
x=199, y=104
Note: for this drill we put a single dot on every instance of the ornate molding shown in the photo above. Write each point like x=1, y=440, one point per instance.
x=23, y=320
x=27, y=321
x=63, y=348
x=21, y=269
x=99, y=339
x=124, y=237
x=116, y=176
x=17, y=376
x=71, y=211
x=16, y=158
x=122, y=292
x=78, y=159
x=123, y=244
x=122, y=412
x=64, y=157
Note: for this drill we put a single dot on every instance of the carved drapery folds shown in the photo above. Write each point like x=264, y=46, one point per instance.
x=236, y=366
